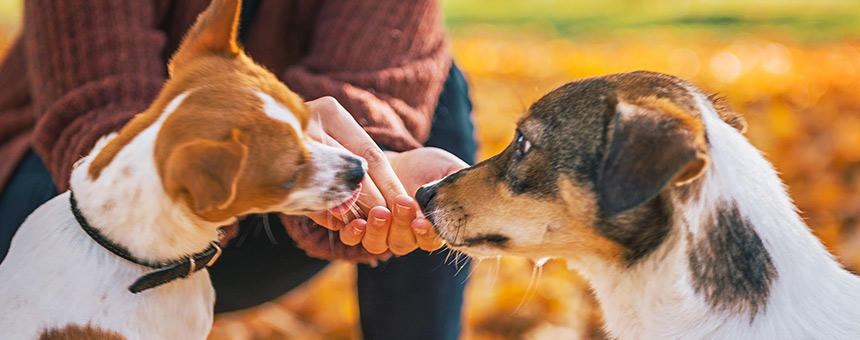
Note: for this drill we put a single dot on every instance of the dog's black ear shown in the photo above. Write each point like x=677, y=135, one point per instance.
x=648, y=149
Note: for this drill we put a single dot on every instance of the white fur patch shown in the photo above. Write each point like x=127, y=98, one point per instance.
x=628, y=111
x=86, y=284
x=277, y=111
x=324, y=190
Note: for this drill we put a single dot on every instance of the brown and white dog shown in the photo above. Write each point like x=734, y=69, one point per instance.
x=648, y=187
x=223, y=138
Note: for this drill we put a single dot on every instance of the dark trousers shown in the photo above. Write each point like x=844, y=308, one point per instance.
x=417, y=296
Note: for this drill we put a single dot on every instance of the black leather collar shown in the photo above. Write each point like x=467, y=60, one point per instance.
x=166, y=271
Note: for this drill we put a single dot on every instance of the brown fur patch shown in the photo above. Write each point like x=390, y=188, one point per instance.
x=214, y=32
x=208, y=55
x=477, y=201
x=75, y=332
x=731, y=117
x=666, y=106
x=581, y=212
x=228, y=114
x=690, y=190
x=207, y=171
x=220, y=81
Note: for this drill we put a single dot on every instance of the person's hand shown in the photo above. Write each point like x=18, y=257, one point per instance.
x=388, y=209
x=414, y=168
x=423, y=165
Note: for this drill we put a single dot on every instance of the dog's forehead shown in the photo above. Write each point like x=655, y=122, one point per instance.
x=591, y=102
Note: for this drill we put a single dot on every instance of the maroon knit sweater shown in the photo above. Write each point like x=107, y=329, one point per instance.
x=83, y=68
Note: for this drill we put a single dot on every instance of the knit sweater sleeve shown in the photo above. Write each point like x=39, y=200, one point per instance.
x=92, y=65
x=385, y=61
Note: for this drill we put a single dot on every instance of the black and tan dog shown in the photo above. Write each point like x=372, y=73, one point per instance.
x=648, y=187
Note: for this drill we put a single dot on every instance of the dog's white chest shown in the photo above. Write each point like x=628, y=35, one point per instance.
x=55, y=275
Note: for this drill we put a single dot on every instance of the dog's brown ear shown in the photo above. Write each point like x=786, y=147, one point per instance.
x=214, y=32
x=205, y=172
x=648, y=150
x=731, y=117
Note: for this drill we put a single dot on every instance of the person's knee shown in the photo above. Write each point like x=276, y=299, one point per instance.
x=29, y=187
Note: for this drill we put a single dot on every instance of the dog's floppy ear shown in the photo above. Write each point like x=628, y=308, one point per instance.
x=206, y=172
x=648, y=150
x=214, y=33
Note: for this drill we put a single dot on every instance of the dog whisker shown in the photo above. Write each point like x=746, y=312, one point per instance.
x=531, y=289
x=462, y=261
x=356, y=212
x=448, y=256
x=268, y=228
x=497, y=267
x=472, y=269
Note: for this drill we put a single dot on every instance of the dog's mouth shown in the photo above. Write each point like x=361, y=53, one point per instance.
x=455, y=237
x=346, y=205
x=490, y=240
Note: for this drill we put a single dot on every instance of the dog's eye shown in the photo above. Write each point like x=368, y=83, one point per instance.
x=522, y=147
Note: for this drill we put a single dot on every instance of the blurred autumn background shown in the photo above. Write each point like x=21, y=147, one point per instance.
x=792, y=67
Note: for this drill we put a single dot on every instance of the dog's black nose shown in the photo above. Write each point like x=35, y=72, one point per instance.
x=424, y=195
x=354, y=172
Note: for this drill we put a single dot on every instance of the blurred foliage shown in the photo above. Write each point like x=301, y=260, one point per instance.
x=791, y=67
x=803, y=18
x=10, y=13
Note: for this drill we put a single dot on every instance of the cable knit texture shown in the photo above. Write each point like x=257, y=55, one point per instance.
x=81, y=69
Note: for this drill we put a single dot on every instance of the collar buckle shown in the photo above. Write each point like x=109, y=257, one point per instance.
x=215, y=257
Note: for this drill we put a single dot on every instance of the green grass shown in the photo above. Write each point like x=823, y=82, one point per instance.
x=821, y=20
x=813, y=20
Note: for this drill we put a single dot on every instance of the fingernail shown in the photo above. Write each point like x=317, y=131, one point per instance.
x=379, y=220
x=421, y=231
x=402, y=209
x=357, y=231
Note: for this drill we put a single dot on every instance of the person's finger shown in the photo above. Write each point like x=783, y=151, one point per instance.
x=401, y=239
x=352, y=233
x=376, y=232
x=424, y=234
x=326, y=219
x=340, y=125
x=423, y=165
x=369, y=197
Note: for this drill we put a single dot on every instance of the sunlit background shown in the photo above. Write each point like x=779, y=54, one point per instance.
x=791, y=67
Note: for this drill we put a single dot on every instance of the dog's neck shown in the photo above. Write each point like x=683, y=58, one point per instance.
x=738, y=259
x=128, y=205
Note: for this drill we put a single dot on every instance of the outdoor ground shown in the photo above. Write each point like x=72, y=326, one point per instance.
x=791, y=67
